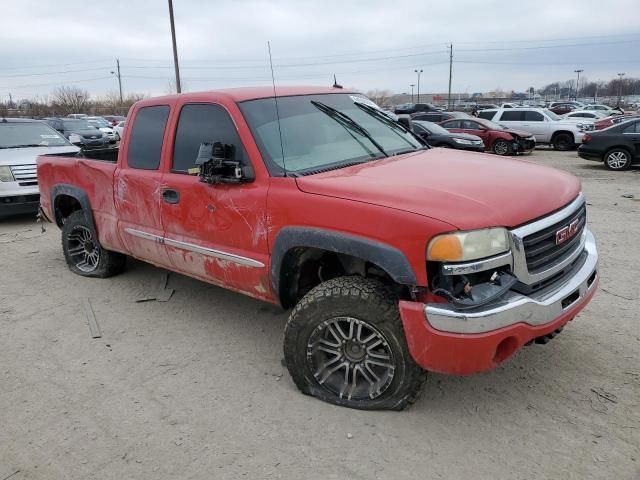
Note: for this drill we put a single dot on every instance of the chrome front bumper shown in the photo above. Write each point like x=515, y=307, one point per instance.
x=541, y=307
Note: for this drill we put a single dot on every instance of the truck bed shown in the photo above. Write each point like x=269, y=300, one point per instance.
x=93, y=176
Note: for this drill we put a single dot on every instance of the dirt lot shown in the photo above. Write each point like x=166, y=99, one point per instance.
x=194, y=387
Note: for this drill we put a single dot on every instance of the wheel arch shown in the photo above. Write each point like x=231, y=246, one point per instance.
x=293, y=243
x=66, y=199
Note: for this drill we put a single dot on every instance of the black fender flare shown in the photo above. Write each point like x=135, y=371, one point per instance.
x=389, y=258
x=77, y=193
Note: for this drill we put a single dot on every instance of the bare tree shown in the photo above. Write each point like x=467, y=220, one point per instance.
x=70, y=99
x=381, y=97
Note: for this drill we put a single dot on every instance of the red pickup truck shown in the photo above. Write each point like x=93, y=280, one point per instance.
x=395, y=258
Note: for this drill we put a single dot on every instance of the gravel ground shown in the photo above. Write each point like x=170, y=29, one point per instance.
x=194, y=387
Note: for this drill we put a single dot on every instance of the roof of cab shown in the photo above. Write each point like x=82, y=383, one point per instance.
x=251, y=93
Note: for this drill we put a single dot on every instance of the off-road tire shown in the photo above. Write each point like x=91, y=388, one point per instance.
x=613, y=158
x=106, y=263
x=370, y=303
x=563, y=142
x=501, y=147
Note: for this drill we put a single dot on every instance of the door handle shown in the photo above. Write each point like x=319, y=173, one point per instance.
x=170, y=196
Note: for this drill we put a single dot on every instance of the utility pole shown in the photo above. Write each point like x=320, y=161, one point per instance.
x=10, y=100
x=419, y=72
x=117, y=74
x=578, y=82
x=412, y=85
x=175, y=49
x=450, y=72
x=620, y=88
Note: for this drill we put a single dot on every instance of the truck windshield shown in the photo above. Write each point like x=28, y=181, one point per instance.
x=323, y=131
x=29, y=134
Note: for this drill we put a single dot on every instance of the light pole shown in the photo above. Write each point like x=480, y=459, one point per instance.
x=578, y=81
x=621, y=74
x=419, y=72
x=117, y=74
x=175, y=49
x=412, y=85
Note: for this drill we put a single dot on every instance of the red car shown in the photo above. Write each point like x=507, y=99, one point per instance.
x=393, y=257
x=496, y=138
x=562, y=108
x=612, y=120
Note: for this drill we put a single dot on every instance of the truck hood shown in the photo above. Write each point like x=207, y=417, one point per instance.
x=27, y=156
x=467, y=190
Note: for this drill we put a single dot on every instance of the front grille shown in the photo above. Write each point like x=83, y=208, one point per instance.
x=25, y=175
x=542, y=250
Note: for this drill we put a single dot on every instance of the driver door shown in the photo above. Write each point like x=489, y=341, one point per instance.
x=214, y=232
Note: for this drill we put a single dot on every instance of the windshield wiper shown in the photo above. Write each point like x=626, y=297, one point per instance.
x=346, y=121
x=374, y=112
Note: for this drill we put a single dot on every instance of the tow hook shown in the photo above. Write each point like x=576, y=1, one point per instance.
x=544, y=339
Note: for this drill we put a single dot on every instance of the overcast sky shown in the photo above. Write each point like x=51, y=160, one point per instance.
x=368, y=44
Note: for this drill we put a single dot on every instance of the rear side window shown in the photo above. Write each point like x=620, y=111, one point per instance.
x=145, y=144
x=487, y=115
x=200, y=123
x=452, y=124
x=511, y=116
x=531, y=116
x=470, y=125
x=633, y=128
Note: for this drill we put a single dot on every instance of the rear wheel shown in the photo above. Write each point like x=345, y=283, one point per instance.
x=501, y=147
x=563, y=142
x=617, y=159
x=344, y=344
x=82, y=251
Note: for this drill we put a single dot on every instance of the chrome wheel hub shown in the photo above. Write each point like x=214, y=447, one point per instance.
x=617, y=159
x=82, y=249
x=350, y=358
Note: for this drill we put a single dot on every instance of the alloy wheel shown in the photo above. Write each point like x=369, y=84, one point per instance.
x=83, y=249
x=617, y=160
x=350, y=358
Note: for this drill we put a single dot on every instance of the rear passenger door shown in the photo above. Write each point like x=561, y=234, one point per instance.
x=534, y=122
x=632, y=136
x=137, y=186
x=214, y=232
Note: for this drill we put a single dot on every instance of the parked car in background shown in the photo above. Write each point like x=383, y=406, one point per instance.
x=589, y=114
x=485, y=106
x=104, y=126
x=437, y=136
x=76, y=115
x=547, y=127
x=613, y=120
x=617, y=146
x=438, y=117
x=80, y=132
x=508, y=105
x=21, y=141
x=496, y=138
x=415, y=107
x=606, y=109
x=562, y=108
x=119, y=128
x=114, y=119
x=575, y=103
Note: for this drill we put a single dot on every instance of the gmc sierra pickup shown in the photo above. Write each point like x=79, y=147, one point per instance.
x=395, y=258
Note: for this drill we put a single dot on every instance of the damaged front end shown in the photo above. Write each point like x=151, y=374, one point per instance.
x=471, y=269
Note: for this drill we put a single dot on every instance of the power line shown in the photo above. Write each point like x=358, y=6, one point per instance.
x=59, y=82
x=53, y=73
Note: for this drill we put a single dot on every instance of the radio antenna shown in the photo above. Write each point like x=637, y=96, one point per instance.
x=275, y=98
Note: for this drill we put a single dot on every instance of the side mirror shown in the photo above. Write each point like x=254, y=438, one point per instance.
x=216, y=164
x=405, y=121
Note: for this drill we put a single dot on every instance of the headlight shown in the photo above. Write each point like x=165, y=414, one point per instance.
x=465, y=246
x=6, y=175
x=462, y=141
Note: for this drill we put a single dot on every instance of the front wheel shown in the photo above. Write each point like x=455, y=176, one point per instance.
x=344, y=344
x=82, y=251
x=617, y=159
x=501, y=147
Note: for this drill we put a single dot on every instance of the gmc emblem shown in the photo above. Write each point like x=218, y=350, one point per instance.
x=567, y=232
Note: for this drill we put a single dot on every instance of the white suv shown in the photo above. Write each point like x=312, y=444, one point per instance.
x=545, y=125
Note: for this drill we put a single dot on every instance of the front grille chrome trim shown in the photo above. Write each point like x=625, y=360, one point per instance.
x=518, y=235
